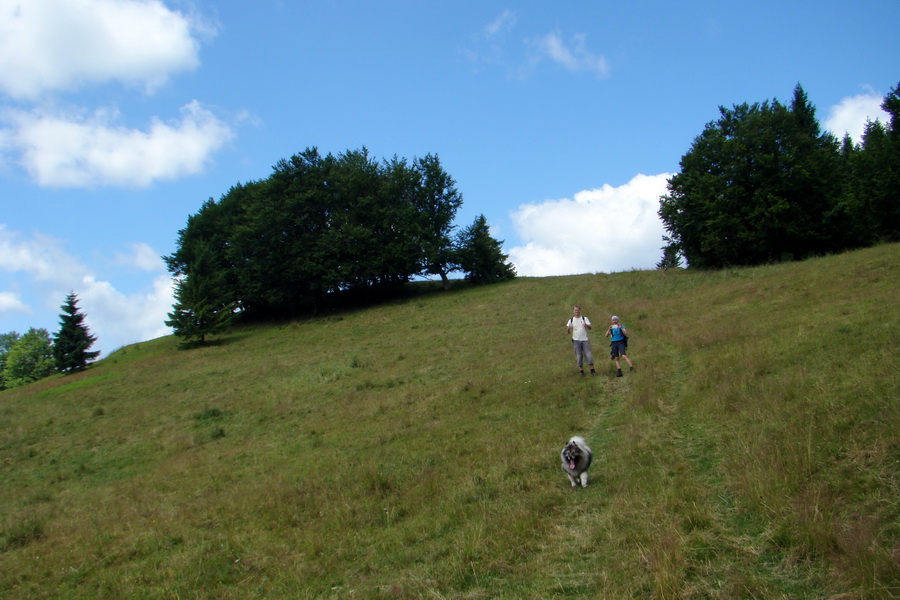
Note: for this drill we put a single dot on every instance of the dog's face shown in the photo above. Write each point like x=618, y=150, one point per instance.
x=571, y=453
x=576, y=459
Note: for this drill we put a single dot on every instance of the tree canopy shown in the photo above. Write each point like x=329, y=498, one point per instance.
x=764, y=183
x=29, y=358
x=7, y=340
x=318, y=227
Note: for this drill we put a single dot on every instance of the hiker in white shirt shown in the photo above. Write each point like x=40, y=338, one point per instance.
x=578, y=326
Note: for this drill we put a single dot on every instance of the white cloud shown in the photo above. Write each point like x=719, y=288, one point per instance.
x=574, y=55
x=41, y=257
x=62, y=150
x=119, y=319
x=851, y=113
x=487, y=46
x=142, y=257
x=40, y=264
x=502, y=24
x=600, y=230
x=49, y=46
x=53, y=45
x=10, y=302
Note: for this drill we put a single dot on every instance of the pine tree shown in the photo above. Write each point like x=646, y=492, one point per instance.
x=481, y=256
x=196, y=314
x=73, y=340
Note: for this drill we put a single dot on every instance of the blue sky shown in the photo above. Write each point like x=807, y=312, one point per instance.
x=560, y=121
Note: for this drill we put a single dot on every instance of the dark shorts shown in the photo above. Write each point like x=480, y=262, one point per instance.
x=618, y=349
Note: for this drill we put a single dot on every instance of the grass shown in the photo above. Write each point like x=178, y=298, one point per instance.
x=411, y=450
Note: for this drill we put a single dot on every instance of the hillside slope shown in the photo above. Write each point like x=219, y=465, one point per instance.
x=412, y=450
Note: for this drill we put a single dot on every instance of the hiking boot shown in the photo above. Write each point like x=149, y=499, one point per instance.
x=582, y=373
x=631, y=369
x=593, y=372
x=618, y=372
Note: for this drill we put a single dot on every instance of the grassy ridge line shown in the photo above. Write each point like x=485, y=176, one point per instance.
x=412, y=450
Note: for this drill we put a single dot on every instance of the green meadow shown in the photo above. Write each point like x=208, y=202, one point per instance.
x=411, y=450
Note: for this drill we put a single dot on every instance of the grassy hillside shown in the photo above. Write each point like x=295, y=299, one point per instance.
x=412, y=450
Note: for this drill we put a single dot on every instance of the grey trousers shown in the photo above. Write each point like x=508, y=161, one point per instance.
x=583, y=351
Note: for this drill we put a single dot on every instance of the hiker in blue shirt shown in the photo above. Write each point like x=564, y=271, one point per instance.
x=619, y=345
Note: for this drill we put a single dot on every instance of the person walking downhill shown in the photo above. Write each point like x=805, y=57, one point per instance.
x=578, y=326
x=619, y=344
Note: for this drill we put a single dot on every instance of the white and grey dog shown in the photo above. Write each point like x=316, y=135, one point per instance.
x=576, y=458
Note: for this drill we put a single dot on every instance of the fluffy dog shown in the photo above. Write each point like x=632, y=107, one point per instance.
x=576, y=458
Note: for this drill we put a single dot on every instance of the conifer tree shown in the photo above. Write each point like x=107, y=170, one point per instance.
x=481, y=255
x=196, y=314
x=72, y=342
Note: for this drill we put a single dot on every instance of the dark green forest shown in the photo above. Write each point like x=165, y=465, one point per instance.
x=322, y=230
x=765, y=184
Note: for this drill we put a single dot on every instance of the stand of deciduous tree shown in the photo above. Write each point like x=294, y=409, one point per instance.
x=320, y=227
x=764, y=184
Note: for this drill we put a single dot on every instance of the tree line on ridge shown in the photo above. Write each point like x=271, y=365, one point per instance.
x=321, y=229
x=764, y=183
x=34, y=355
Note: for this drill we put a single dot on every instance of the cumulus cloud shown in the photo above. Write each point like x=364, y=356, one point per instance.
x=48, y=47
x=141, y=257
x=849, y=116
x=41, y=256
x=572, y=55
x=40, y=264
x=10, y=302
x=65, y=150
x=600, y=230
x=119, y=319
x=52, y=45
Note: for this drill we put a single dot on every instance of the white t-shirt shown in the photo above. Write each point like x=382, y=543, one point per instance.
x=579, y=331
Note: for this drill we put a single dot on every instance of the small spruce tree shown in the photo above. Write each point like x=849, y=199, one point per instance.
x=481, y=256
x=195, y=315
x=671, y=258
x=72, y=342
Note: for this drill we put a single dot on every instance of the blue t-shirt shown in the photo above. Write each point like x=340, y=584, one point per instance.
x=616, y=332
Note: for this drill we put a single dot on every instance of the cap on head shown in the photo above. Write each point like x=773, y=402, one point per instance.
x=615, y=318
